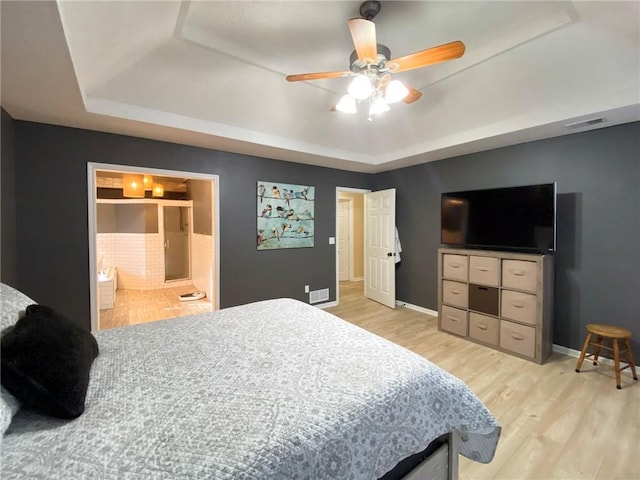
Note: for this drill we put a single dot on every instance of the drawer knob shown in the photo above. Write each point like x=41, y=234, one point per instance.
x=482, y=326
x=518, y=273
x=518, y=304
x=455, y=292
x=453, y=319
x=516, y=336
x=483, y=269
x=454, y=265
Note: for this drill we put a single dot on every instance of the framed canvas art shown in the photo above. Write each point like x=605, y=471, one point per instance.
x=285, y=215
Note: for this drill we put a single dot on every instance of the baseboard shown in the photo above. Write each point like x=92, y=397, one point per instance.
x=357, y=279
x=325, y=304
x=576, y=354
x=417, y=308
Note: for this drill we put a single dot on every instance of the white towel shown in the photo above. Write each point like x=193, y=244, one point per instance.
x=398, y=247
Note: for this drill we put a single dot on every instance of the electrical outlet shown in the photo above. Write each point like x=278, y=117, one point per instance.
x=306, y=289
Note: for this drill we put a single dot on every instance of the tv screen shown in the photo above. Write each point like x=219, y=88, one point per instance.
x=513, y=218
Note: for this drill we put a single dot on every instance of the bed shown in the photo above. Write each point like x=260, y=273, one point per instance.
x=270, y=390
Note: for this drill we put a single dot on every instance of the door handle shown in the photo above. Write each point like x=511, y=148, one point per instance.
x=390, y=254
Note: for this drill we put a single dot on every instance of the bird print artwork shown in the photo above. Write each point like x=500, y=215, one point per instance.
x=285, y=215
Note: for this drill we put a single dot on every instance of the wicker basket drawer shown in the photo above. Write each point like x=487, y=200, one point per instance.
x=484, y=328
x=520, y=274
x=484, y=270
x=519, y=306
x=518, y=338
x=455, y=293
x=454, y=320
x=455, y=267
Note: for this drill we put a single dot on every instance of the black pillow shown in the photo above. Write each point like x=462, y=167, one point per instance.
x=46, y=361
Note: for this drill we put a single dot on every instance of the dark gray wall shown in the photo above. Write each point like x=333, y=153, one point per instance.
x=54, y=267
x=8, y=256
x=597, y=262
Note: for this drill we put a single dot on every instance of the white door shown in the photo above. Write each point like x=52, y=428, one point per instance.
x=379, y=248
x=344, y=240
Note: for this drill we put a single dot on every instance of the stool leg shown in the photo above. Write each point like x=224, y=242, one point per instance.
x=583, y=352
x=596, y=354
x=616, y=359
x=632, y=364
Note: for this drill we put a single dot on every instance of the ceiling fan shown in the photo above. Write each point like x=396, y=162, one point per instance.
x=372, y=66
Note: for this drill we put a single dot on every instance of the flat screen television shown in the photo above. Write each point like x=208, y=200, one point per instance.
x=514, y=218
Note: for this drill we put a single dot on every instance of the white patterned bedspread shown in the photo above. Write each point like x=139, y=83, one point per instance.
x=270, y=390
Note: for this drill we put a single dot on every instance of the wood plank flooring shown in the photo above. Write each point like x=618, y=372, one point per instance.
x=556, y=423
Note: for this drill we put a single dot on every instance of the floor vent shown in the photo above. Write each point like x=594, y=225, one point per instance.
x=316, y=296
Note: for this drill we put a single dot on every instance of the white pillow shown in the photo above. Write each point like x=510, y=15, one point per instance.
x=13, y=303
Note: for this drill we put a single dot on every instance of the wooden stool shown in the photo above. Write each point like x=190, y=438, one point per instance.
x=613, y=334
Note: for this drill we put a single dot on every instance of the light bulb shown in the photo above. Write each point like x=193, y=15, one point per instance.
x=395, y=92
x=361, y=87
x=347, y=104
x=378, y=105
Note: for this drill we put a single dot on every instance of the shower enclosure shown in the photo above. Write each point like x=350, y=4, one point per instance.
x=177, y=230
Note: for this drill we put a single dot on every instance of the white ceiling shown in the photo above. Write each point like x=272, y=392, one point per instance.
x=212, y=73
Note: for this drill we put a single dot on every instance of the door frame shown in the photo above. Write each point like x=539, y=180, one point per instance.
x=92, y=226
x=350, y=243
x=347, y=190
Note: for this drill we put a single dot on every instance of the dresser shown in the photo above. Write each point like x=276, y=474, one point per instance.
x=503, y=300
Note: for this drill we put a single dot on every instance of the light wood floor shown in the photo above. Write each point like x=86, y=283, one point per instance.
x=142, y=306
x=555, y=423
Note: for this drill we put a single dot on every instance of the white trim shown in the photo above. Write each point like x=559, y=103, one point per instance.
x=417, y=308
x=326, y=304
x=92, y=167
x=357, y=279
x=576, y=354
x=349, y=202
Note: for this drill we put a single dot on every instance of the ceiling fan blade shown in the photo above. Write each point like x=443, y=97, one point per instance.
x=413, y=95
x=445, y=52
x=316, y=76
x=363, y=33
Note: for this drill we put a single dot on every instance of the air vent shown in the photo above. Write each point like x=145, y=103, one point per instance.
x=586, y=123
x=316, y=296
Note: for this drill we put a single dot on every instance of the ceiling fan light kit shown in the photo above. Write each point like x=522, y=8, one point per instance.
x=372, y=66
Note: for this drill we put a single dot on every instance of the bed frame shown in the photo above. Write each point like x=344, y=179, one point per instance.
x=439, y=461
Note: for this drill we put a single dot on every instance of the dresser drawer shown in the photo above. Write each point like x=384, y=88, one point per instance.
x=519, y=306
x=483, y=328
x=454, y=320
x=455, y=293
x=518, y=338
x=484, y=299
x=455, y=267
x=484, y=270
x=520, y=274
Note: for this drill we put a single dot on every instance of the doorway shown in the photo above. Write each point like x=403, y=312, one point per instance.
x=193, y=246
x=350, y=240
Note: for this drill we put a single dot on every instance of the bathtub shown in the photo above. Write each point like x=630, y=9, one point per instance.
x=107, y=285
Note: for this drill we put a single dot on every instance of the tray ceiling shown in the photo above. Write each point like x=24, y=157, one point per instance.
x=212, y=74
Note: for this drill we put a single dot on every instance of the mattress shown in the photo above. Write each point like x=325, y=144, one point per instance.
x=273, y=389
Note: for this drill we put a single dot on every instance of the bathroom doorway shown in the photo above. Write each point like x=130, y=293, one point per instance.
x=127, y=254
x=177, y=243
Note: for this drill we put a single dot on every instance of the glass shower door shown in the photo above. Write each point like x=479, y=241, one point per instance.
x=176, y=243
